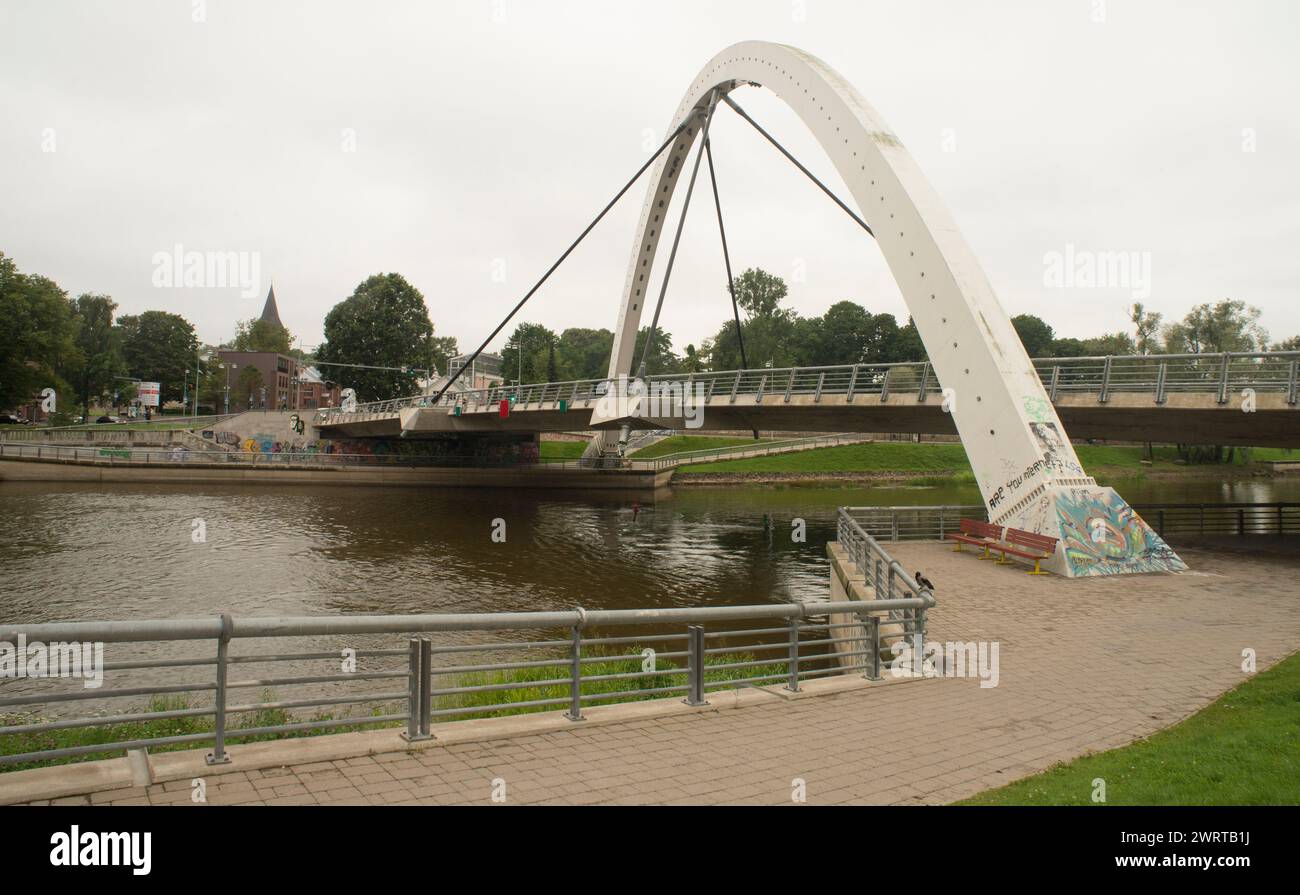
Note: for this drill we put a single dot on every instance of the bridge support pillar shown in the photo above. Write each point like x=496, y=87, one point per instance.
x=1098, y=532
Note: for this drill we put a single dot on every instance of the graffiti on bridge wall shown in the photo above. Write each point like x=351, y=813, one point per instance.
x=1102, y=535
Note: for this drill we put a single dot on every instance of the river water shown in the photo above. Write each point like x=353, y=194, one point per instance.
x=78, y=552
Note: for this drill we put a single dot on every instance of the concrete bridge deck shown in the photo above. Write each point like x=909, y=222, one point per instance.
x=1086, y=665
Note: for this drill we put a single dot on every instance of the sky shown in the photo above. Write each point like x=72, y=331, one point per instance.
x=465, y=144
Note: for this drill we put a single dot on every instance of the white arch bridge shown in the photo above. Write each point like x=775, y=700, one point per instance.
x=1012, y=430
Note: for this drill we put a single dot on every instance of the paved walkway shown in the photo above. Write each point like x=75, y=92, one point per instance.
x=1085, y=665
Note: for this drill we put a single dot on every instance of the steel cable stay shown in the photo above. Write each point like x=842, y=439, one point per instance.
x=704, y=151
x=612, y=202
x=810, y=175
x=726, y=259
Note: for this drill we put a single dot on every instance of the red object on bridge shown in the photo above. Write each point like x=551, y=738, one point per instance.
x=505, y=407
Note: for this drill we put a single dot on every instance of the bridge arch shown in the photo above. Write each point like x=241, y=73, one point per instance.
x=1027, y=470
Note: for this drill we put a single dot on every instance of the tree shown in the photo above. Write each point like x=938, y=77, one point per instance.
x=444, y=349
x=97, y=362
x=247, y=384
x=759, y=293
x=1291, y=344
x=529, y=345
x=909, y=346
x=584, y=353
x=158, y=346
x=1229, y=325
x=262, y=335
x=840, y=336
x=661, y=358
x=1147, y=326
x=1110, y=343
x=37, y=337
x=384, y=323
x=1034, y=333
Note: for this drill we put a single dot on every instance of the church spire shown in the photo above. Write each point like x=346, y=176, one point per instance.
x=269, y=310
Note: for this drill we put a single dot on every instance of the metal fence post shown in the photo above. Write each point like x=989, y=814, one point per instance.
x=414, y=687
x=695, y=663
x=874, y=633
x=218, y=754
x=792, y=684
x=575, y=678
x=1223, y=378
x=1161, y=375
x=1105, y=381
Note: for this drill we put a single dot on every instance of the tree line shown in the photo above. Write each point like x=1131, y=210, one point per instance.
x=848, y=333
x=79, y=347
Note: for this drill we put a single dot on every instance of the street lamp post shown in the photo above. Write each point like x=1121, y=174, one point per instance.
x=228, y=367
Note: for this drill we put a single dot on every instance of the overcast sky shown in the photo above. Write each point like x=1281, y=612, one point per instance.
x=487, y=134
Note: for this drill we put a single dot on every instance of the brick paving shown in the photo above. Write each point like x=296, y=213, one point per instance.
x=1086, y=665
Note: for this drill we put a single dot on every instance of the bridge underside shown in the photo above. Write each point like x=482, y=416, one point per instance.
x=1182, y=419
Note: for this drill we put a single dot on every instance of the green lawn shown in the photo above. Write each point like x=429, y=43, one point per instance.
x=1243, y=749
x=561, y=450
x=675, y=444
x=931, y=458
x=884, y=456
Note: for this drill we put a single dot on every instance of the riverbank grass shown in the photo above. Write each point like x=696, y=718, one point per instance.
x=949, y=460
x=507, y=686
x=1243, y=749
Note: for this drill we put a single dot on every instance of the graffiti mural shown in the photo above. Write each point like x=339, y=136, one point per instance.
x=1102, y=535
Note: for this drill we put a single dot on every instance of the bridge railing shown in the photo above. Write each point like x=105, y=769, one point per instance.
x=216, y=680
x=1224, y=375
x=740, y=452
x=884, y=576
x=931, y=523
x=1222, y=518
x=130, y=456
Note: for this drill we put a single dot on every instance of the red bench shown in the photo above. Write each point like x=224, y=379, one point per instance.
x=978, y=534
x=1026, y=545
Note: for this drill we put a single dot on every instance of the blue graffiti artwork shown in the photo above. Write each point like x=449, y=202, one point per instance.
x=1102, y=535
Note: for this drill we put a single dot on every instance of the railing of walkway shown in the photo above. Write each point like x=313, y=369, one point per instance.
x=443, y=670
x=740, y=452
x=128, y=456
x=929, y=523
x=1159, y=375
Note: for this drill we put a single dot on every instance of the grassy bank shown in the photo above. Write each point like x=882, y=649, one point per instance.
x=675, y=444
x=1243, y=749
x=949, y=460
x=15, y=744
x=561, y=450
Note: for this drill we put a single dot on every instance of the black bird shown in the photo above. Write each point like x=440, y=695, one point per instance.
x=923, y=581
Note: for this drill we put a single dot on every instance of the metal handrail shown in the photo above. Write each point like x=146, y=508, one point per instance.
x=902, y=523
x=426, y=683
x=108, y=455
x=1158, y=374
